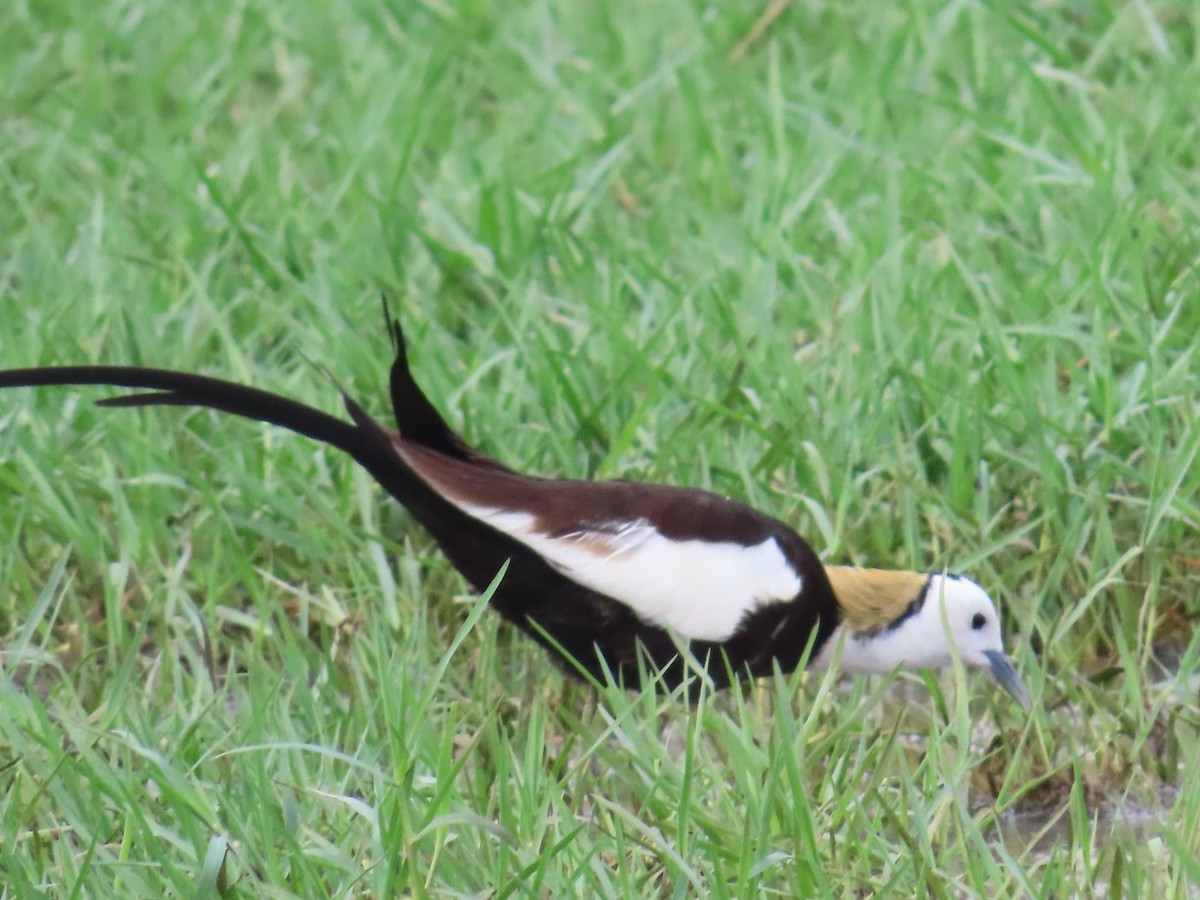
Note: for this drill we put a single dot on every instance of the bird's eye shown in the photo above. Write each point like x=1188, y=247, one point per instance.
x=978, y=621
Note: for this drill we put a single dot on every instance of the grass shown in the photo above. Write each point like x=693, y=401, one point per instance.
x=917, y=279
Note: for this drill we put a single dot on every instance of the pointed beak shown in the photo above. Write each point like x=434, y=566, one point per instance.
x=1006, y=674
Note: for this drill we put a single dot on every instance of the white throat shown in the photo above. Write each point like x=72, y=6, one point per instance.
x=921, y=640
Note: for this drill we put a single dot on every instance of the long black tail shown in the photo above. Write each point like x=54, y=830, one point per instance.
x=182, y=389
x=364, y=439
x=476, y=549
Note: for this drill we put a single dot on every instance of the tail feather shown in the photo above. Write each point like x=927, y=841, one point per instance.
x=417, y=418
x=170, y=388
x=151, y=398
x=476, y=549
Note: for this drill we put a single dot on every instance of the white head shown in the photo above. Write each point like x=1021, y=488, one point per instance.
x=949, y=610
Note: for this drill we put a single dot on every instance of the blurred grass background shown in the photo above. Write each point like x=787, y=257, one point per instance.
x=918, y=279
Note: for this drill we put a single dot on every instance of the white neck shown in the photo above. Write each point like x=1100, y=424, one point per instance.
x=918, y=641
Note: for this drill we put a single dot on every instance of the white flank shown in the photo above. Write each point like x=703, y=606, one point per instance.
x=698, y=589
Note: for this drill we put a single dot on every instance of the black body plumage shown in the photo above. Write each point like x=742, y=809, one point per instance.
x=429, y=469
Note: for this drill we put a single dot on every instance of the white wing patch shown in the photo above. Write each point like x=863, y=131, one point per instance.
x=699, y=589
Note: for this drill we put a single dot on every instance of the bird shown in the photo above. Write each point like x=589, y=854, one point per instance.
x=617, y=579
